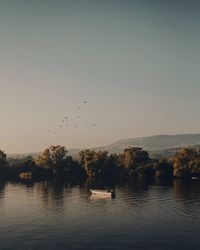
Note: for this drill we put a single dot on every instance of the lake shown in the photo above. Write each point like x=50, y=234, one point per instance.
x=50, y=215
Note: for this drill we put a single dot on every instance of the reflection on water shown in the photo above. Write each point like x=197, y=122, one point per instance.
x=64, y=215
x=187, y=190
x=2, y=193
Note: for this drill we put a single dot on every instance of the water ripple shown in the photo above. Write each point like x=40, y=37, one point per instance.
x=52, y=216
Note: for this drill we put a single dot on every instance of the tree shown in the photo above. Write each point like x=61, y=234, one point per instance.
x=3, y=164
x=53, y=158
x=95, y=163
x=86, y=159
x=22, y=165
x=132, y=158
x=186, y=163
x=114, y=164
x=2, y=156
x=163, y=169
x=44, y=159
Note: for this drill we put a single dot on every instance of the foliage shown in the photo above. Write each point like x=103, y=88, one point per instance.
x=114, y=165
x=2, y=156
x=133, y=158
x=95, y=163
x=132, y=162
x=3, y=164
x=163, y=169
x=186, y=163
x=53, y=158
x=25, y=165
x=146, y=170
x=99, y=163
x=56, y=161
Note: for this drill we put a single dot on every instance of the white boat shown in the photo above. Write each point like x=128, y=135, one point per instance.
x=100, y=192
x=195, y=178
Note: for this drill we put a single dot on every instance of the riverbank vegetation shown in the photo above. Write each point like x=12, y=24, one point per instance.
x=133, y=162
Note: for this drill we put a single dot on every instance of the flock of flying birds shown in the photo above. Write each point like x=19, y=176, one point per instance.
x=65, y=122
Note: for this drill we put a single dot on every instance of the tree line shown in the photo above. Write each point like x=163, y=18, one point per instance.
x=133, y=162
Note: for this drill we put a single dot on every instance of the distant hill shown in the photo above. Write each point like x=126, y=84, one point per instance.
x=17, y=158
x=158, y=145
x=154, y=143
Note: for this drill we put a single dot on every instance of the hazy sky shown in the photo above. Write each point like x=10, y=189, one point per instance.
x=137, y=63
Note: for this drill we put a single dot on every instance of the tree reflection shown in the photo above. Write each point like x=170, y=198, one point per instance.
x=2, y=190
x=52, y=194
x=55, y=194
x=187, y=190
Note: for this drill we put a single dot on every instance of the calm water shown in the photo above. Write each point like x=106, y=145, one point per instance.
x=51, y=216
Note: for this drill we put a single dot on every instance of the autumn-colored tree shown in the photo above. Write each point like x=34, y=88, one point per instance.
x=95, y=163
x=44, y=159
x=53, y=158
x=86, y=159
x=133, y=157
x=186, y=163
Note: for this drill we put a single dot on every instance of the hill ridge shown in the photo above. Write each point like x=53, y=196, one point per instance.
x=150, y=143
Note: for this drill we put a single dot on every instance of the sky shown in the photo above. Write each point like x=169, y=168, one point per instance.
x=136, y=63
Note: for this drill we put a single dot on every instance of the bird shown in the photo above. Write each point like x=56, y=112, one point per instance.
x=93, y=124
x=84, y=101
x=66, y=117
